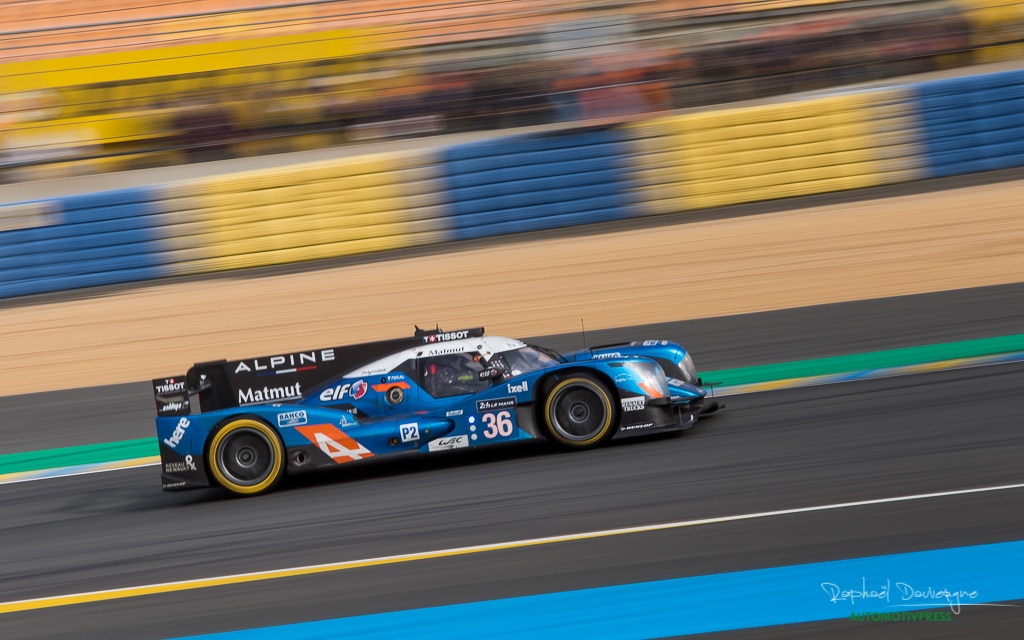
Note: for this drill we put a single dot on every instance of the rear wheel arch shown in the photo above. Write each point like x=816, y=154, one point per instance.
x=245, y=455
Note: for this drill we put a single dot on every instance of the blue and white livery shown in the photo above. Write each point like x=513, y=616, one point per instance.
x=244, y=425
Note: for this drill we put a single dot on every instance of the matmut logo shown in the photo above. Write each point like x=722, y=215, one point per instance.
x=338, y=445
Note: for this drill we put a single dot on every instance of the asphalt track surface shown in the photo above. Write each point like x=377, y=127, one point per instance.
x=124, y=412
x=768, y=451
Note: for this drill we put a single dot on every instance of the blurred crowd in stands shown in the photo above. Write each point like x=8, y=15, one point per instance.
x=451, y=67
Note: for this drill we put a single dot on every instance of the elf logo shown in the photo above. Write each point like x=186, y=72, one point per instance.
x=355, y=390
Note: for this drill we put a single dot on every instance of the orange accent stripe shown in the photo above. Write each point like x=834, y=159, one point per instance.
x=384, y=386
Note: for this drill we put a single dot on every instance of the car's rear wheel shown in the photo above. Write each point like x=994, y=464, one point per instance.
x=247, y=457
x=579, y=412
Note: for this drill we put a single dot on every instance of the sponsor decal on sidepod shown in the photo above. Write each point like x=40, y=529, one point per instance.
x=522, y=387
x=443, y=444
x=292, y=418
x=179, y=433
x=178, y=467
x=483, y=406
x=634, y=404
x=250, y=396
x=355, y=390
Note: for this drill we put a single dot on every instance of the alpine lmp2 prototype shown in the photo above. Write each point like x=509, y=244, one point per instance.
x=261, y=418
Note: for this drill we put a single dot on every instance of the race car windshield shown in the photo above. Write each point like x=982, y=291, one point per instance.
x=528, y=358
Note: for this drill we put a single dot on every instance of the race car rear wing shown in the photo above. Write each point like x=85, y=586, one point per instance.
x=223, y=384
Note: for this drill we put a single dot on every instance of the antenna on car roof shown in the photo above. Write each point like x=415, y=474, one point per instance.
x=583, y=330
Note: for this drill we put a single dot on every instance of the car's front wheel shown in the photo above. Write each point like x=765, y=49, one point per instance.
x=579, y=412
x=247, y=457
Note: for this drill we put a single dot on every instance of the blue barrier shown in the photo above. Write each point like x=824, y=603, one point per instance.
x=508, y=185
x=530, y=183
x=974, y=123
x=98, y=238
x=77, y=281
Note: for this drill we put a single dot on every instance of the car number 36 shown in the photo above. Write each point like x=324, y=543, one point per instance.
x=497, y=424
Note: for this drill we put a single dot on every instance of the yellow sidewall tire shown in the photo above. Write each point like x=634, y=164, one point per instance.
x=600, y=391
x=233, y=428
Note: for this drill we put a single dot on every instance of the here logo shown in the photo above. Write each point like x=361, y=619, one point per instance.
x=179, y=433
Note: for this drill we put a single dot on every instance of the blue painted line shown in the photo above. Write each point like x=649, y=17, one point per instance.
x=949, y=582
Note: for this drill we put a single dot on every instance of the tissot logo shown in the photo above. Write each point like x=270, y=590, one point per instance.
x=444, y=337
x=171, y=386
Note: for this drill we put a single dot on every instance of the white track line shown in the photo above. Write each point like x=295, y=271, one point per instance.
x=240, y=578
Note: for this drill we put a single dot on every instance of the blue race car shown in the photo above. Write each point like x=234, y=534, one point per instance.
x=261, y=418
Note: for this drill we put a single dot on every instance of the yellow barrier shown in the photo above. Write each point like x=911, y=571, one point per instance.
x=812, y=146
x=997, y=27
x=308, y=212
x=255, y=55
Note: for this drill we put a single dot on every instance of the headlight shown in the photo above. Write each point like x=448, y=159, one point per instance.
x=689, y=369
x=650, y=378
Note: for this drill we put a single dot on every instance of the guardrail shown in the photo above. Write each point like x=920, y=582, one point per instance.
x=514, y=184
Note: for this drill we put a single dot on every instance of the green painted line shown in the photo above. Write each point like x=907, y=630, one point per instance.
x=85, y=454
x=908, y=356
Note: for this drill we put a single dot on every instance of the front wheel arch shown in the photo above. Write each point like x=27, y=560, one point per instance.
x=593, y=390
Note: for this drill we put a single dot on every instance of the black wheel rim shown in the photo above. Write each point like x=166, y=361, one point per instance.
x=578, y=413
x=246, y=457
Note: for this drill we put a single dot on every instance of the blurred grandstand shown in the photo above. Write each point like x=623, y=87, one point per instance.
x=121, y=84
